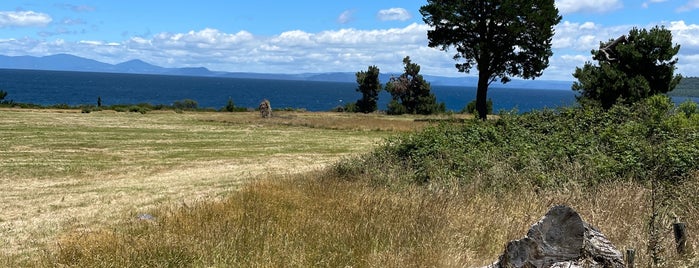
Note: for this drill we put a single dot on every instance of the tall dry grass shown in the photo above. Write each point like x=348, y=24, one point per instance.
x=317, y=221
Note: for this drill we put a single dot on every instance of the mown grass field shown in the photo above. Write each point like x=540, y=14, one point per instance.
x=63, y=171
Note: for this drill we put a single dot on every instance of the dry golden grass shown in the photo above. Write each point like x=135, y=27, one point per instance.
x=61, y=170
x=311, y=220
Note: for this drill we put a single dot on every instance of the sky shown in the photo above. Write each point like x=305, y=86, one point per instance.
x=305, y=36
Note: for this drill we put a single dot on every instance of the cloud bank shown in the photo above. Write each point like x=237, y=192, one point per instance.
x=23, y=19
x=341, y=50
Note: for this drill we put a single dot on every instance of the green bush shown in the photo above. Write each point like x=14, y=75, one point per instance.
x=396, y=108
x=186, y=104
x=546, y=148
x=471, y=107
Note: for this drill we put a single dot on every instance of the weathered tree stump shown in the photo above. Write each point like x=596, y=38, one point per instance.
x=561, y=239
x=265, y=109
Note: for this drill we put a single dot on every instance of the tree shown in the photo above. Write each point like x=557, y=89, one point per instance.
x=411, y=93
x=3, y=94
x=230, y=106
x=369, y=86
x=629, y=68
x=501, y=38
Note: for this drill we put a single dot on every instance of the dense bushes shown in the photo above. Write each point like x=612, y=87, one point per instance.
x=544, y=148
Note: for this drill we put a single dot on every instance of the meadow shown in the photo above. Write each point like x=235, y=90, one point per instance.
x=202, y=189
x=62, y=170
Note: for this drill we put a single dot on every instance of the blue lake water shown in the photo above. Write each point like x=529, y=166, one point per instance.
x=75, y=88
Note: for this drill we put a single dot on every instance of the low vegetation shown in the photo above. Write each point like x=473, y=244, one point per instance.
x=450, y=194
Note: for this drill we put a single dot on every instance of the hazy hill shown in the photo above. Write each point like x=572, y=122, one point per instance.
x=689, y=86
x=66, y=62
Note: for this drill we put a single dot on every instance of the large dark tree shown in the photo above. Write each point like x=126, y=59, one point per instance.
x=501, y=38
x=369, y=86
x=630, y=68
x=411, y=93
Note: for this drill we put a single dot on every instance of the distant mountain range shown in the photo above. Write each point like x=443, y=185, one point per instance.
x=66, y=62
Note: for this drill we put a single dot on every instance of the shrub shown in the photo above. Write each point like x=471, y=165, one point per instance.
x=471, y=107
x=582, y=145
x=186, y=104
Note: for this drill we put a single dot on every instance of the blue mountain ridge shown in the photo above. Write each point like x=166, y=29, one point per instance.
x=67, y=62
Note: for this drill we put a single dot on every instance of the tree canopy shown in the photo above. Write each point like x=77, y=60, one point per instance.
x=369, y=86
x=501, y=38
x=630, y=68
x=411, y=93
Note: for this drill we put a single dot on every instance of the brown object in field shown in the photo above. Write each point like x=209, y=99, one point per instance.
x=265, y=109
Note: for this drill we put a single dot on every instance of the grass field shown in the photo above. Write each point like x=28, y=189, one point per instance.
x=62, y=170
x=234, y=190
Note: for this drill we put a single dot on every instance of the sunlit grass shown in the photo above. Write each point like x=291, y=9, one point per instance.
x=233, y=190
x=312, y=220
x=65, y=170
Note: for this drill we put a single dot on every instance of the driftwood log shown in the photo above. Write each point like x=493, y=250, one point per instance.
x=561, y=239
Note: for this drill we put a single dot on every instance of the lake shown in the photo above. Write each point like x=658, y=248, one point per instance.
x=76, y=88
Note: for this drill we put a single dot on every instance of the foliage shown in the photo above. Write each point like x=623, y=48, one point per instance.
x=411, y=93
x=471, y=107
x=502, y=38
x=543, y=148
x=369, y=86
x=638, y=66
x=230, y=107
x=350, y=107
x=3, y=94
x=186, y=104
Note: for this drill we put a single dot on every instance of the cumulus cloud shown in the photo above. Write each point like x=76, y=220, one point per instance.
x=342, y=50
x=690, y=5
x=584, y=36
x=23, y=19
x=685, y=35
x=587, y=6
x=288, y=52
x=395, y=13
x=345, y=17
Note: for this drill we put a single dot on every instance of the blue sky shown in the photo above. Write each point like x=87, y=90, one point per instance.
x=306, y=36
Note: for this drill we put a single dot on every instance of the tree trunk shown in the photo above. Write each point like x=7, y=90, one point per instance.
x=482, y=94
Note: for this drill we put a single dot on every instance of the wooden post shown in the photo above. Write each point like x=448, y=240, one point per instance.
x=630, y=256
x=680, y=230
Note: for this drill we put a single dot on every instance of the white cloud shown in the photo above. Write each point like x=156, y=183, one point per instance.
x=690, y=5
x=685, y=35
x=688, y=65
x=395, y=13
x=587, y=6
x=583, y=37
x=345, y=17
x=23, y=19
x=343, y=50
